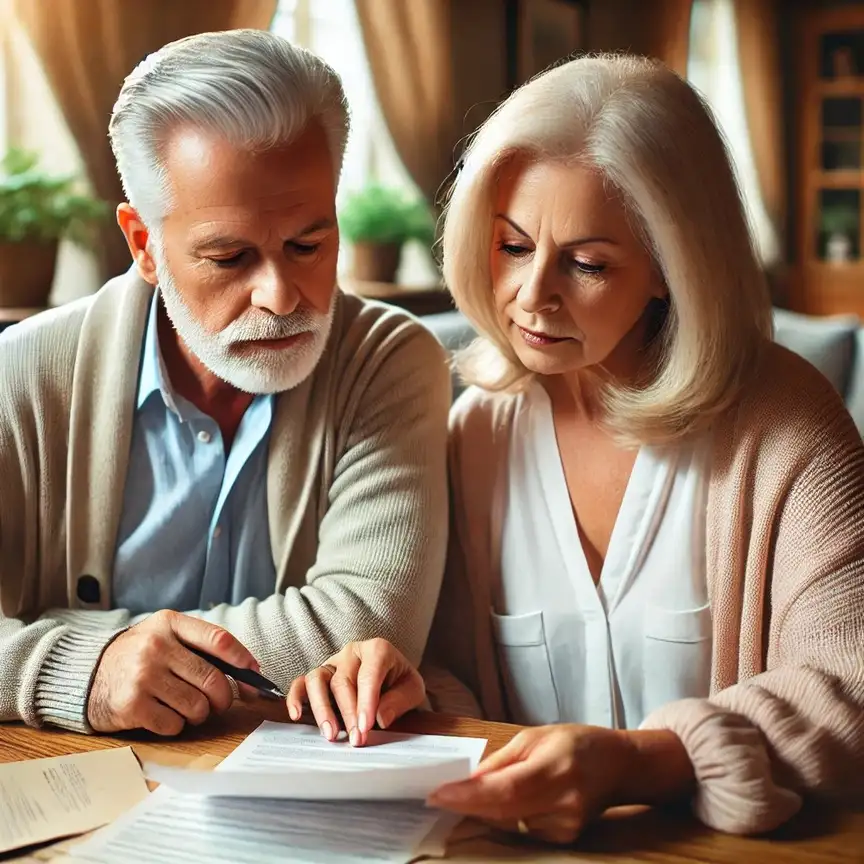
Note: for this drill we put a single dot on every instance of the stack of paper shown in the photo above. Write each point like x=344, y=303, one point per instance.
x=286, y=794
x=46, y=798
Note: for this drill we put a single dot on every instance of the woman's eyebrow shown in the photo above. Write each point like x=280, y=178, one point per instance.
x=579, y=241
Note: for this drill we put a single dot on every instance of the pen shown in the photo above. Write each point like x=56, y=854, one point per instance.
x=244, y=676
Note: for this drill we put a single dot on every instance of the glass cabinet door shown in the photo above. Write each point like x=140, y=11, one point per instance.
x=841, y=54
x=841, y=133
x=839, y=220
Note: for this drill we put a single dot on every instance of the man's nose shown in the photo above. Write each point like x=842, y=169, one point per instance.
x=275, y=291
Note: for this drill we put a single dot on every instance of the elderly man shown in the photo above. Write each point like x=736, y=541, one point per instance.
x=218, y=450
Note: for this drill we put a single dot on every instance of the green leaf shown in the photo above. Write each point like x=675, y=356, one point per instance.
x=378, y=214
x=35, y=204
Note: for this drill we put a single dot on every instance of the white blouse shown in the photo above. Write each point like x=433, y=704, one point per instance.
x=605, y=655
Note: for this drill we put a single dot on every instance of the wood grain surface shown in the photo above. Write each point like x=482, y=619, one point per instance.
x=821, y=834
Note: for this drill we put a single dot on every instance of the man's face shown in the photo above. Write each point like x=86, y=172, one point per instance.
x=247, y=264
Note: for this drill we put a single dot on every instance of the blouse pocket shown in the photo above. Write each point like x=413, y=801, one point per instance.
x=525, y=668
x=677, y=660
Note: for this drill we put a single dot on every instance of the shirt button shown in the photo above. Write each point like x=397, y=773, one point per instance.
x=217, y=531
x=204, y=436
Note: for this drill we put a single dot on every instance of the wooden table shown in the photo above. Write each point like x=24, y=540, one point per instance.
x=819, y=834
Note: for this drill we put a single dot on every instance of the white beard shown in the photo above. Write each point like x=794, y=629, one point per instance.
x=256, y=371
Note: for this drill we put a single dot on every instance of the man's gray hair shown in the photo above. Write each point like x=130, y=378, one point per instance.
x=252, y=88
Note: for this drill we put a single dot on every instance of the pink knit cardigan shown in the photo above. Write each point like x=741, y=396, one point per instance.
x=785, y=562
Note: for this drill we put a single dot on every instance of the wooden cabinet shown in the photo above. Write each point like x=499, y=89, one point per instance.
x=830, y=175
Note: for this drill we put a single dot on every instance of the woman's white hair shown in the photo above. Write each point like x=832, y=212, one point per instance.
x=654, y=140
x=250, y=87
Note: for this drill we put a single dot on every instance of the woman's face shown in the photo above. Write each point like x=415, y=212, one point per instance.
x=571, y=281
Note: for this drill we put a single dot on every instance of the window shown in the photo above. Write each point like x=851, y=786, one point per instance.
x=332, y=31
x=714, y=70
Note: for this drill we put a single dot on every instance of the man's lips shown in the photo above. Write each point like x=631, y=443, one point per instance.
x=536, y=339
x=272, y=344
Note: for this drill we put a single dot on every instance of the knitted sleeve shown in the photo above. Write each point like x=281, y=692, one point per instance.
x=795, y=726
x=47, y=662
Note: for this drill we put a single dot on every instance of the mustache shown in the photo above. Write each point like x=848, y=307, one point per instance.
x=254, y=326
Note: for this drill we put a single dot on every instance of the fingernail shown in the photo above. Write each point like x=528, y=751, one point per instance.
x=354, y=737
x=327, y=730
x=443, y=796
x=361, y=722
x=293, y=712
x=385, y=718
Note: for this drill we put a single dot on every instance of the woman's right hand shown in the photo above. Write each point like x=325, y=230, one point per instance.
x=369, y=681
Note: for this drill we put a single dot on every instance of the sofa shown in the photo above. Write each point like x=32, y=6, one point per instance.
x=833, y=345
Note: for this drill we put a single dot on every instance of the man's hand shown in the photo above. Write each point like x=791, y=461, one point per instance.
x=368, y=680
x=148, y=679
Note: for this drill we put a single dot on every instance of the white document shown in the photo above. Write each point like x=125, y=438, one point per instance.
x=295, y=762
x=190, y=828
x=275, y=746
x=306, y=784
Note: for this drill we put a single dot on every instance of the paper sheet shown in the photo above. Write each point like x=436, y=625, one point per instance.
x=190, y=829
x=43, y=799
x=187, y=828
x=295, y=762
x=407, y=783
x=277, y=746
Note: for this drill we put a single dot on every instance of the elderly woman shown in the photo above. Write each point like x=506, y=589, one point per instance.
x=658, y=541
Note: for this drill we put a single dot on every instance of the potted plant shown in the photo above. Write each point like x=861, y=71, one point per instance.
x=37, y=209
x=840, y=227
x=378, y=221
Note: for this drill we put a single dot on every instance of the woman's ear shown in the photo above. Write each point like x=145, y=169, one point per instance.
x=659, y=288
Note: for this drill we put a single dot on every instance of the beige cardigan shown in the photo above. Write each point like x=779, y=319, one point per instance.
x=785, y=557
x=356, y=494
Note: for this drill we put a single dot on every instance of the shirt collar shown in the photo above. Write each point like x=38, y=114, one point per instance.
x=154, y=378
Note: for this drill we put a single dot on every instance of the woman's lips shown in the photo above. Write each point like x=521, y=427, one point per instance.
x=540, y=340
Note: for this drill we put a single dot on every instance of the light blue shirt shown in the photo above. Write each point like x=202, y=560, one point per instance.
x=194, y=531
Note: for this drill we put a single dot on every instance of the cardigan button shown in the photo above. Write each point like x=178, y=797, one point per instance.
x=89, y=590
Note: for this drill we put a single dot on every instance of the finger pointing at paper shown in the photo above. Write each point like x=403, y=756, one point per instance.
x=368, y=681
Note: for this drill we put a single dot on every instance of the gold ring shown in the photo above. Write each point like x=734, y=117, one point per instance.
x=522, y=827
x=328, y=667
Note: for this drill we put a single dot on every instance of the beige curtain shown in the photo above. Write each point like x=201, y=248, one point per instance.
x=655, y=28
x=757, y=27
x=439, y=68
x=87, y=47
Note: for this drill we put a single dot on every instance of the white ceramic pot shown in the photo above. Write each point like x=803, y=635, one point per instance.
x=838, y=250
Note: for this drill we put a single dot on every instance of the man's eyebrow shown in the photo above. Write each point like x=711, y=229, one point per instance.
x=324, y=224
x=226, y=241
x=218, y=241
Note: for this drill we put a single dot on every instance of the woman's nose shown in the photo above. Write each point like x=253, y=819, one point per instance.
x=539, y=291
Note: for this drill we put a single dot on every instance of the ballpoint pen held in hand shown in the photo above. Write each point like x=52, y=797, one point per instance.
x=243, y=676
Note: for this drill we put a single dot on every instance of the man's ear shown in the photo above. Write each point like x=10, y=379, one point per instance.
x=136, y=235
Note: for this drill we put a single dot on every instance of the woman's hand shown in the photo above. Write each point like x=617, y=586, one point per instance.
x=370, y=681
x=550, y=781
